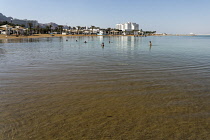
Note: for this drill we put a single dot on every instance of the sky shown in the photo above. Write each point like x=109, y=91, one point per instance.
x=163, y=16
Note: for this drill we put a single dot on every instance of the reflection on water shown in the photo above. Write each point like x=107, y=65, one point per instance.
x=2, y=51
x=21, y=40
x=57, y=89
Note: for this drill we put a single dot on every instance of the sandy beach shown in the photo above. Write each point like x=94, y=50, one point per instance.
x=60, y=35
x=36, y=36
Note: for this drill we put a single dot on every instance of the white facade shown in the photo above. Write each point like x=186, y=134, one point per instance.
x=120, y=26
x=129, y=26
x=95, y=31
x=101, y=33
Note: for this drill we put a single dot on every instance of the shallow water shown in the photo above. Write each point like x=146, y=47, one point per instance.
x=51, y=88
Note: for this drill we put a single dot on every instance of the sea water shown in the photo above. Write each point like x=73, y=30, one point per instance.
x=63, y=88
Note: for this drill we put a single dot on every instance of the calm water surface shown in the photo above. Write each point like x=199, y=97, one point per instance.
x=51, y=88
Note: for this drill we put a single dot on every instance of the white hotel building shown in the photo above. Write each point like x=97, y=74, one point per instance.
x=129, y=26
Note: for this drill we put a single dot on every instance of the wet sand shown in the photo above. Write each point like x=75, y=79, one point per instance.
x=55, y=107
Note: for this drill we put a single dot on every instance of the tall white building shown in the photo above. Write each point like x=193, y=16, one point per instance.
x=129, y=26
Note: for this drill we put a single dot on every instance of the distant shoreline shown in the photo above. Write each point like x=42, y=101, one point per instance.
x=37, y=36
x=60, y=35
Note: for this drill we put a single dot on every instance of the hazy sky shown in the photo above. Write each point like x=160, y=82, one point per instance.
x=170, y=16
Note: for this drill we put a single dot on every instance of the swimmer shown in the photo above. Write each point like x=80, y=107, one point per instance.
x=85, y=42
x=150, y=43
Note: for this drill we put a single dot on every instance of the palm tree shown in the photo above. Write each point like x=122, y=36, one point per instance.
x=47, y=29
x=50, y=28
x=109, y=30
x=78, y=28
x=141, y=31
x=92, y=27
x=30, y=26
x=41, y=30
x=56, y=29
x=69, y=31
x=38, y=29
x=60, y=28
x=22, y=25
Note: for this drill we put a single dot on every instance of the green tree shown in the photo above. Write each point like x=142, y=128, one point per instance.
x=92, y=27
x=41, y=30
x=56, y=29
x=69, y=29
x=30, y=27
x=78, y=28
x=60, y=27
x=108, y=30
x=47, y=29
x=37, y=29
x=50, y=28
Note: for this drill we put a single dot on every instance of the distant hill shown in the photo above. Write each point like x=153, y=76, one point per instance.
x=25, y=22
x=4, y=18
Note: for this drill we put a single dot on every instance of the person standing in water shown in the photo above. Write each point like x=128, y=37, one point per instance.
x=150, y=43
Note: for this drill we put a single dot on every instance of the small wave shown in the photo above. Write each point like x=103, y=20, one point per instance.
x=2, y=51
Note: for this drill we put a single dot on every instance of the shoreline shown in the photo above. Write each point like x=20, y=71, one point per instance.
x=60, y=35
x=38, y=36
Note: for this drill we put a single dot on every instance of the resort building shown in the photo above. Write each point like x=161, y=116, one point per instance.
x=129, y=26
